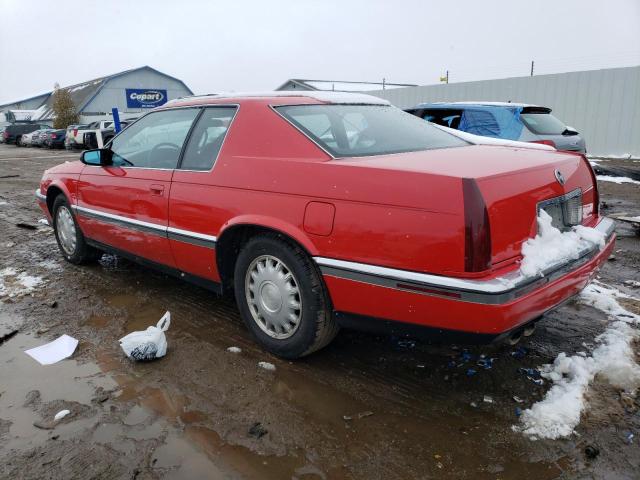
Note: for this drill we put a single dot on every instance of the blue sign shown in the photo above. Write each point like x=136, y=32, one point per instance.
x=145, y=97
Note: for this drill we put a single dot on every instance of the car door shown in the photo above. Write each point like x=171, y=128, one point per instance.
x=125, y=204
x=195, y=214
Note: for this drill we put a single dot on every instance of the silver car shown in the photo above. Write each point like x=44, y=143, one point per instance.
x=509, y=121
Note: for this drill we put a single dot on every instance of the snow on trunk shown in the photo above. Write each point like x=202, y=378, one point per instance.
x=613, y=360
x=551, y=246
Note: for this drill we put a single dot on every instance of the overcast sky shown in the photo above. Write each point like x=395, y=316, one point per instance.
x=256, y=45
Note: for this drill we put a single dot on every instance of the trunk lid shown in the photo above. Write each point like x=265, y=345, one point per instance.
x=513, y=183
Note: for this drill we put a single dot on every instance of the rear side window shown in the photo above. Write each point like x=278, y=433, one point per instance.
x=364, y=130
x=206, y=138
x=480, y=122
x=543, y=123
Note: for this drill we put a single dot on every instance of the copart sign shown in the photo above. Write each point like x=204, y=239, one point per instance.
x=145, y=98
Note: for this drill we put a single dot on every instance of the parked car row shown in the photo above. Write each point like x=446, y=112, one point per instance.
x=12, y=133
x=45, y=137
x=25, y=134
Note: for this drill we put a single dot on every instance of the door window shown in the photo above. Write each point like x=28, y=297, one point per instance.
x=154, y=141
x=207, y=137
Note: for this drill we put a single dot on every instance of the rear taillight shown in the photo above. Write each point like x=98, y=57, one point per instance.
x=551, y=143
x=477, y=234
x=596, y=194
x=5, y=134
x=53, y=135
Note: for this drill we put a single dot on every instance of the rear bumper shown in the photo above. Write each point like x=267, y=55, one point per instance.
x=486, y=308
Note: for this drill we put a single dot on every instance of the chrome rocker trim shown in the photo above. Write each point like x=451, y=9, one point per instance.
x=186, y=236
x=495, y=291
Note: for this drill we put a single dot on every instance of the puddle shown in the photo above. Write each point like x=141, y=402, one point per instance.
x=66, y=380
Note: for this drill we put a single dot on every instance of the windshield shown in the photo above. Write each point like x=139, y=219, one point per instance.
x=543, y=123
x=363, y=130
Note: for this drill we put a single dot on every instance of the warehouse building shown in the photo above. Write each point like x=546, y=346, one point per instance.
x=132, y=92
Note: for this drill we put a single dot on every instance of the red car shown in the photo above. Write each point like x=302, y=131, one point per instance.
x=321, y=211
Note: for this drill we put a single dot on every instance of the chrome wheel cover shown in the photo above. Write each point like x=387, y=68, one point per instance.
x=66, y=230
x=273, y=297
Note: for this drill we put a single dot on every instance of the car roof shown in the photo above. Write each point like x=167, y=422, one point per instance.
x=478, y=104
x=282, y=97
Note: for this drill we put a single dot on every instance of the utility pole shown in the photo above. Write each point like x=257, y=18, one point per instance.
x=447, y=76
x=383, y=83
x=532, y=68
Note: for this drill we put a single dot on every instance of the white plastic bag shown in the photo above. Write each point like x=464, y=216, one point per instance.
x=148, y=344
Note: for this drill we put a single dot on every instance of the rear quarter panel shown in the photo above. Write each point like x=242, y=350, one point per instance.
x=382, y=216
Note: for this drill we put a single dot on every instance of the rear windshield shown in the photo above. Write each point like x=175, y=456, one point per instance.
x=543, y=123
x=363, y=130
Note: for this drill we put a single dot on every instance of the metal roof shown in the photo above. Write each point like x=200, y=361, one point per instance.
x=479, y=103
x=341, y=85
x=83, y=93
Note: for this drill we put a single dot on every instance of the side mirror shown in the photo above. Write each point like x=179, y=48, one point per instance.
x=96, y=157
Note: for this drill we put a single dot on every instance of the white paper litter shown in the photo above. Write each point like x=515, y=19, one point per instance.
x=61, y=414
x=43, y=221
x=613, y=360
x=50, y=353
x=551, y=246
x=234, y=349
x=267, y=366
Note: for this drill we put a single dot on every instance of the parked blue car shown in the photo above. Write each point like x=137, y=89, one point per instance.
x=509, y=121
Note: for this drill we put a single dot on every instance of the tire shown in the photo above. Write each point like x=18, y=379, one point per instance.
x=69, y=237
x=265, y=297
x=18, y=140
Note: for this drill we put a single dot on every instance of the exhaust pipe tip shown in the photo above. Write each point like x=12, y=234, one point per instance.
x=514, y=338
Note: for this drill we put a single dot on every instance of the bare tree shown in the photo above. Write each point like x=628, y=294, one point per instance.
x=64, y=110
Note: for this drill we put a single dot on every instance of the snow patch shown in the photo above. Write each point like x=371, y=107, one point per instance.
x=558, y=414
x=267, y=366
x=618, y=180
x=234, y=350
x=29, y=282
x=50, y=265
x=13, y=284
x=551, y=246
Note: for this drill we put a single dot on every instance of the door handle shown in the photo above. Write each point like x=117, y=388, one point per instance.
x=157, y=189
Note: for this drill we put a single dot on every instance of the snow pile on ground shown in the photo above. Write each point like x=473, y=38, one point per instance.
x=618, y=180
x=551, y=246
x=14, y=284
x=613, y=359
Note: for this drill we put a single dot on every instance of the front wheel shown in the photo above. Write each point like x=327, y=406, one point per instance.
x=281, y=297
x=71, y=241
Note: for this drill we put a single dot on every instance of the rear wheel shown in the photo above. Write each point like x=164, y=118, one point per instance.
x=71, y=241
x=281, y=297
x=19, y=141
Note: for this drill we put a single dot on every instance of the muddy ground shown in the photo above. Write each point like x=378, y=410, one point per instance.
x=366, y=407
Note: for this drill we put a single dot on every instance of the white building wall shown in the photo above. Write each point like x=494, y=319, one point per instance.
x=603, y=105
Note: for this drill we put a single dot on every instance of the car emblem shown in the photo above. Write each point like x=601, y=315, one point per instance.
x=559, y=177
